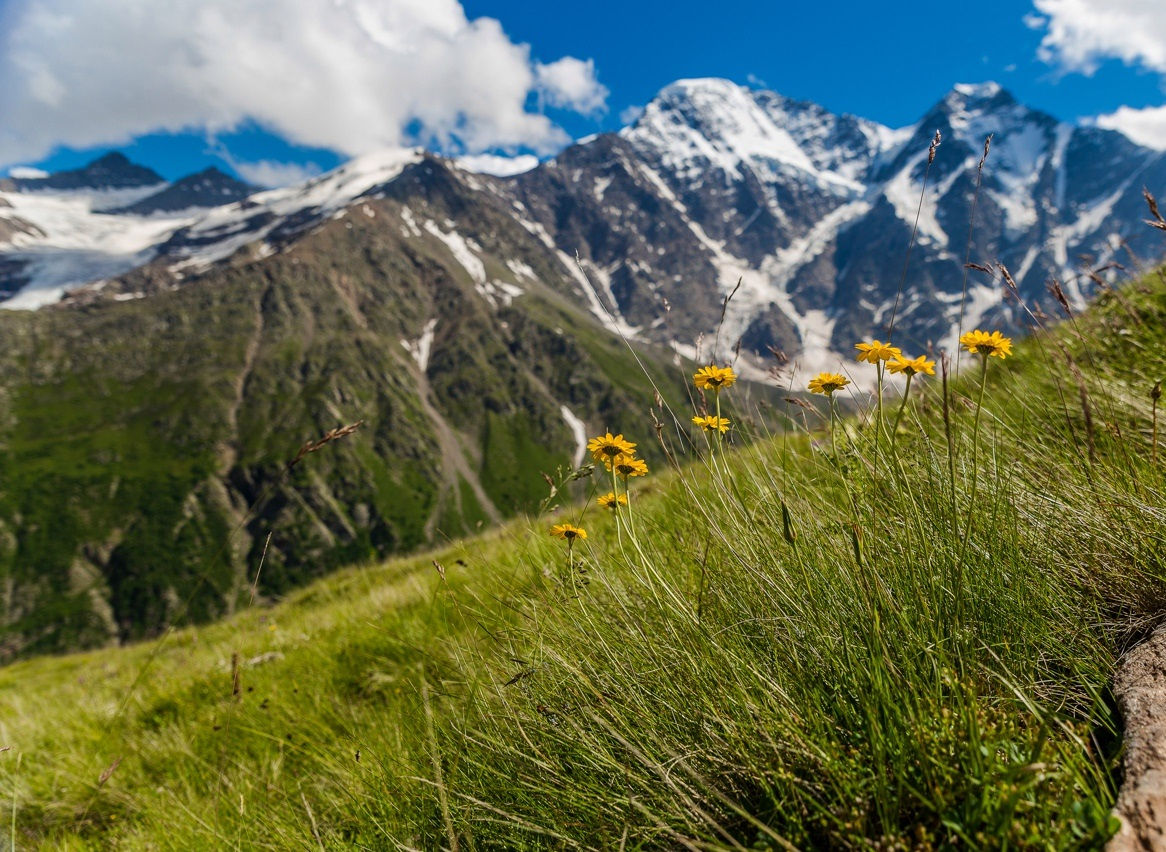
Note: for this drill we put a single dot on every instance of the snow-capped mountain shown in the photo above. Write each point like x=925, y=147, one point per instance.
x=91, y=225
x=813, y=213
x=713, y=185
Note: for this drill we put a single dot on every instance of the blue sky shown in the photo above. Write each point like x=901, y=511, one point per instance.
x=112, y=85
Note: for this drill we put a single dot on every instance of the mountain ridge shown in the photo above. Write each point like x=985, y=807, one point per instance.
x=777, y=193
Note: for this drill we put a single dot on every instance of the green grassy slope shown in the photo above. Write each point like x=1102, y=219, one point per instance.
x=792, y=649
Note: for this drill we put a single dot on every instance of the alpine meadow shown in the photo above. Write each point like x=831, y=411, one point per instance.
x=410, y=442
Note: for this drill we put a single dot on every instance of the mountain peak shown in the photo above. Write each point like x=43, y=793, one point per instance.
x=113, y=170
x=693, y=85
x=110, y=160
x=211, y=187
x=978, y=91
x=979, y=97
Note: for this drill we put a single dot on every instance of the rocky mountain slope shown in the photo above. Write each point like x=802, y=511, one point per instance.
x=713, y=184
x=185, y=348
x=813, y=213
x=135, y=434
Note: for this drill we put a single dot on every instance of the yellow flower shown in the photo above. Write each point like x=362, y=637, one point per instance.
x=611, y=501
x=985, y=343
x=712, y=423
x=827, y=383
x=608, y=446
x=627, y=466
x=911, y=366
x=876, y=351
x=568, y=532
x=714, y=378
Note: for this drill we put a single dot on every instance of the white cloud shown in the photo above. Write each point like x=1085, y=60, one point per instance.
x=630, y=114
x=1144, y=126
x=27, y=172
x=349, y=75
x=570, y=83
x=1081, y=33
x=493, y=164
x=272, y=173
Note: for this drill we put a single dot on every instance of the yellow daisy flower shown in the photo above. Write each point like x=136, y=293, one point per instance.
x=611, y=501
x=712, y=423
x=987, y=344
x=608, y=446
x=876, y=351
x=627, y=466
x=714, y=378
x=568, y=532
x=911, y=366
x=828, y=383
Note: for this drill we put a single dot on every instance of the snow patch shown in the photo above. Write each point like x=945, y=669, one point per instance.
x=579, y=430
x=411, y=226
x=498, y=293
x=609, y=317
x=421, y=347
x=461, y=251
x=76, y=243
x=521, y=270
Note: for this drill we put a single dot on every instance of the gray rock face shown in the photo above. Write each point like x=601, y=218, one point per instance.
x=208, y=188
x=1140, y=686
x=814, y=213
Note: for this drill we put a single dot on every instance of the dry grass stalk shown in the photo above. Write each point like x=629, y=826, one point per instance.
x=987, y=146
x=1155, y=395
x=1012, y=290
x=1086, y=408
x=1151, y=202
x=108, y=771
x=1058, y=293
x=328, y=437
x=259, y=570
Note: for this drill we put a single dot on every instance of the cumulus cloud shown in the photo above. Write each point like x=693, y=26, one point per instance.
x=493, y=164
x=27, y=172
x=629, y=114
x=273, y=173
x=1144, y=126
x=1079, y=34
x=349, y=75
x=570, y=83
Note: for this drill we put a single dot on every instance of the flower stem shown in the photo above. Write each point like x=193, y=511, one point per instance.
x=627, y=493
x=975, y=482
x=902, y=408
x=720, y=434
x=833, y=440
x=615, y=495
